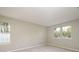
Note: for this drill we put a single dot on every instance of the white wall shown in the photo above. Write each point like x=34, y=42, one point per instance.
x=24, y=34
x=65, y=43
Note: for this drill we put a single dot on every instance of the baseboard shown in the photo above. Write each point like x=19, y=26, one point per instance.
x=26, y=48
x=67, y=48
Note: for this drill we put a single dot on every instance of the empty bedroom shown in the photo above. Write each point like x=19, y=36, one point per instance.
x=39, y=29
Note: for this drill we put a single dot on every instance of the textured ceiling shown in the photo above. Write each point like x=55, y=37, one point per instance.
x=46, y=16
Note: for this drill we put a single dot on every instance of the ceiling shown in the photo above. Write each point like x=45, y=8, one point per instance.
x=46, y=16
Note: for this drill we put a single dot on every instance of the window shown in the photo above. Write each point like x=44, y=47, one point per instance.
x=63, y=32
x=57, y=32
x=66, y=31
x=4, y=32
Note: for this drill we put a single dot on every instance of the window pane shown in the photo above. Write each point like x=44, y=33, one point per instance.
x=4, y=37
x=66, y=31
x=4, y=32
x=57, y=32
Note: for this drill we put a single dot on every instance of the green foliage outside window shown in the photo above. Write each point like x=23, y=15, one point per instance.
x=66, y=31
x=4, y=27
x=63, y=32
x=57, y=32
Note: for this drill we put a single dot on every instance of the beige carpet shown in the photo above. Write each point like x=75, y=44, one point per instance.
x=44, y=49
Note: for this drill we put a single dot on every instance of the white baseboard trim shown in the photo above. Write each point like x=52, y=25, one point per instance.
x=67, y=48
x=26, y=48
